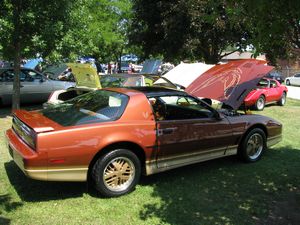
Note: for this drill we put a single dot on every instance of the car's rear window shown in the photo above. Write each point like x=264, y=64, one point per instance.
x=93, y=107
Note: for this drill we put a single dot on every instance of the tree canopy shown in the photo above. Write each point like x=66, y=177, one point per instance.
x=61, y=29
x=180, y=29
x=204, y=29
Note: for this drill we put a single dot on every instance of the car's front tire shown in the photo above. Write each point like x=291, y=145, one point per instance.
x=282, y=100
x=116, y=173
x=260, y=103
x=253, y=145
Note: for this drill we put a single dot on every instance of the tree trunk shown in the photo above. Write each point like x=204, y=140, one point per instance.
x=17, y=54
x=17, y=70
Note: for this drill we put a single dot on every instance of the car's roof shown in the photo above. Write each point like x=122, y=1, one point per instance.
x=12, y=68
x=151, y=91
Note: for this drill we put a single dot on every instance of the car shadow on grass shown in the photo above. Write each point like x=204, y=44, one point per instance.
x=227, y=191
x=31, y=190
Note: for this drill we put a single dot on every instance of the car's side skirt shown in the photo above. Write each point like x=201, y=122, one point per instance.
x=274, y=140
x=156, y=166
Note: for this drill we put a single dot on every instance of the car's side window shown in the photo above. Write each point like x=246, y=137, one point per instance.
x=273, y=84
x=31, y=75
x=179, y=108
x=297, y=75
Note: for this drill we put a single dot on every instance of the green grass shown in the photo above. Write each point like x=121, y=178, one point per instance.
x=224, y=191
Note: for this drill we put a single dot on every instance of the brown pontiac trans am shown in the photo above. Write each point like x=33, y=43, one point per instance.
x=111, y=136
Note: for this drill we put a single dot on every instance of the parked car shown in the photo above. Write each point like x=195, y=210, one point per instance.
x=267, y=91
x=35, y=87
x=294, y=80
x=276, y=75
x=114, y=135
x=87, y=80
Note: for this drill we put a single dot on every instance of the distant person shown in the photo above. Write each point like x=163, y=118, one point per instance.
x=109, y=68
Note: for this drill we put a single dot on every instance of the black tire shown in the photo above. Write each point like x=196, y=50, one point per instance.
x=253, y=145
x=124, y=168
x=282, y=100
x=287, y=82
x=260, y=103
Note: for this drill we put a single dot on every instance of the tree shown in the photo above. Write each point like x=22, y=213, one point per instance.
x=29, y=27
x=186, y=29
x=274, y=26
x=98, y=28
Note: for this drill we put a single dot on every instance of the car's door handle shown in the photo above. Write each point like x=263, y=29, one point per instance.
x=166, y=131
x=21, y=86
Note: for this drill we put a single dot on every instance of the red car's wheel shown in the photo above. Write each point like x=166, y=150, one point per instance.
x=260, y=103
x=282, y=100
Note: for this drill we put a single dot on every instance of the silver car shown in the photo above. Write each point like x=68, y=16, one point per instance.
x=35, y=87
x=294, y=80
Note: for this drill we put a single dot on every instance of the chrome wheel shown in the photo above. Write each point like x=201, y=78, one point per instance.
x=260, y=103
x=119, y=174
x=255, y=146
x=283, y=99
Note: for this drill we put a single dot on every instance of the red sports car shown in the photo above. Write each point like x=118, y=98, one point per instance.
x=267, y=91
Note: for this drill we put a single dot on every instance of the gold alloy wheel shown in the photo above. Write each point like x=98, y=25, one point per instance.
x=255, y=146
x=119, y=173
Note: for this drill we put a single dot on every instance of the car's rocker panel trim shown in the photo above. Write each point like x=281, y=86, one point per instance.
x=59, y=174
x=274, y=140
x=156, y=166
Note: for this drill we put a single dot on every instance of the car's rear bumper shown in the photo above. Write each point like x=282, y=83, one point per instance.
x=36, y=166
x=22, y=155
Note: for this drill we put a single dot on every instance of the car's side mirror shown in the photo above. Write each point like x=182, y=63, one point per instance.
x=218, y=115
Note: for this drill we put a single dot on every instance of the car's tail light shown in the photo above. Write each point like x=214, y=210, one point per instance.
x=27, y=134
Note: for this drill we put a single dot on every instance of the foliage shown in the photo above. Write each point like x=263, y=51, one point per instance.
x=193, y=29
x=67, y=29
x=35, y=24
x=98, y=29
x=62, y=29
x=274, y=26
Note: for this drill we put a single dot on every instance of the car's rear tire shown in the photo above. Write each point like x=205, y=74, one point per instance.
x=287, y=82
x=282, y=100
x=253, y=145
x=260, y=103
x=116, y=173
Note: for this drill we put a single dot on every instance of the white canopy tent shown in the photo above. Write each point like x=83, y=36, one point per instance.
x=185, y=73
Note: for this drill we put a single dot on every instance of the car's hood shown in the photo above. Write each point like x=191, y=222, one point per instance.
x=56, y=70
x=231, y=82
x=185, y=73
x=151, y=66
x=85, y=75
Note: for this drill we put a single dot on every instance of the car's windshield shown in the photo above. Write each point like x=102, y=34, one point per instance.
x=119, y=81
x=263, y=83
x=134, y=81
x=93, y=107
